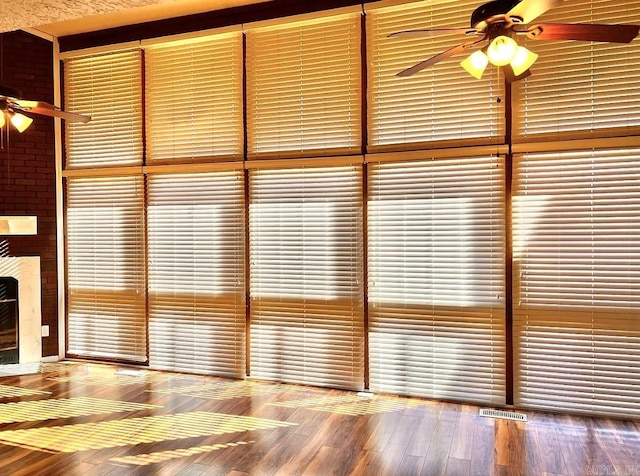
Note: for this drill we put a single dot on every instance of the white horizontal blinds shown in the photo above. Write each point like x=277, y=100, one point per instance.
x=105, y=268
x=436, y=278
x=442, y=102
x=193, y=94
x=580, y=89
x=196, y=273
x=577, y=281
x=303, y=88
x=306, y=276
x=107, y=87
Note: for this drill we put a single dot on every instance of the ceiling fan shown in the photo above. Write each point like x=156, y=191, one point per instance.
x=494, y=25
x=12, y=106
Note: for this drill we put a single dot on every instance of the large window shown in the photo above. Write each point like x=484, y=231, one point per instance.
x=196, y=221
x=577, y=286
x=436, y=278
x=105, y=268
x=306, y=275
x=303, y=88
x=581, y=89
x=108, y=88
x=196, y=272
x=193, y=96
x=575, y=265
x=441, y=104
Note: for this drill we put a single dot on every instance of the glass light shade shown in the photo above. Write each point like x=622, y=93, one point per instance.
x=20, y=121
x=522, y=60
x=3, y=121
x=501, y=50
x=475, y=64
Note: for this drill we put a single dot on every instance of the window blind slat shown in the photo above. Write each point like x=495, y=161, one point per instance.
x=307, y=323
x=105, y=267
x=436, y=278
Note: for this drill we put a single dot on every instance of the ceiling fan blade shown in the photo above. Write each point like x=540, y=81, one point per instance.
x=529, y=10
x=440, y=56
x=433, y=31
x=584, y=32
x=67, y=116
x=46, y=109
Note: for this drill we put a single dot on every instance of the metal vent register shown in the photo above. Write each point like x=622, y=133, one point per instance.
x=503, y=415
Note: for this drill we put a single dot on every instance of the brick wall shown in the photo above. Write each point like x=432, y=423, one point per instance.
x=27, y=168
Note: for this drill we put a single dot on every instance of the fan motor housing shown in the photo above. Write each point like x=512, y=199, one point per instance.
x=496, y=8
x=8, y=91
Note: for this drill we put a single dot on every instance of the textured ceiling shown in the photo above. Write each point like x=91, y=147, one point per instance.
x=17, y=14
x=65, y=17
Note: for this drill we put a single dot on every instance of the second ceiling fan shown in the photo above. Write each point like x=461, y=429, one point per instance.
x=495, y=24
x=12, y=106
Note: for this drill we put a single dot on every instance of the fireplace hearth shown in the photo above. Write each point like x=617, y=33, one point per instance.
x=9, y=336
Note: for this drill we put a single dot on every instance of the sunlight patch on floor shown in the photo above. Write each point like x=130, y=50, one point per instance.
x=353, y=405
x=162, y=456
x=37, y=410
x=116, y=380
x=61, y=366
x=134, y=431
x=7, y=391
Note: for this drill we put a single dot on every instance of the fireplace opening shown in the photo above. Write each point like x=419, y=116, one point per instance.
x=9, y=321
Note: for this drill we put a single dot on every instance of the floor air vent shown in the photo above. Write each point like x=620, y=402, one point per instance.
x=503, y=415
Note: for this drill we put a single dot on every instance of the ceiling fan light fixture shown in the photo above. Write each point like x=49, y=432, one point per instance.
x=522, y=60
x=475, y=64
x=20, y=121
x=501, y=50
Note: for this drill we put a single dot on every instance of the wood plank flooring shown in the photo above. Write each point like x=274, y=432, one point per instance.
x=76, y=418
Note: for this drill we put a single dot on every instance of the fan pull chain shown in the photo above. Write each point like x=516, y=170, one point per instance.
x=4, y=130
x=6, y=149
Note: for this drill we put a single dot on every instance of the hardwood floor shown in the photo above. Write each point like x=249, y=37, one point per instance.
x=93, y=419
